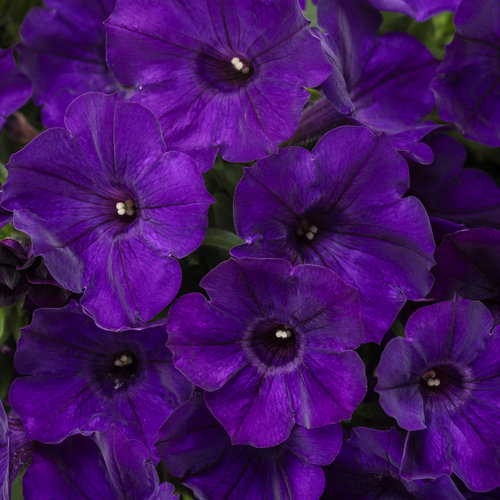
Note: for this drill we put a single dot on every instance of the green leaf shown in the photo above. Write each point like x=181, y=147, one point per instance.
x=221, y=238
x=311, y=14
x=12, y=319
x=398, y=328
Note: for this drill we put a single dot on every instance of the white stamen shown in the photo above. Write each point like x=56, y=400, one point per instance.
x=239, y=65
x=283, y=334
x=123, y=360
x=313, y=229
x=306, y=229
x=310, y=235
x=245, y=70
x=126, y=207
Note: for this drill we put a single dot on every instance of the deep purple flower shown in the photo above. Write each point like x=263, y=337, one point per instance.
x=104, y=466
x=273, y=346
x=4, y=449
x=15, y=87
x=367, y=468
x=341, y=207
x=419, y=9
x=454, y=197
x=378, y=81
x=81, y=379
x=442, y=384
x=196, y=448
x=21, y=274
x=223, y=75
x=63, y=52
x=467, y=84
x=468, y=263
x=107, y=207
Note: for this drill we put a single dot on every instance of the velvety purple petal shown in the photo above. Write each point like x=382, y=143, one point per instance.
x=15, y=87
x=418, y=9
x=4, y=448
x=260, y=413
x=326, y=388
x=128, y=463
x=463, y=196
x=467, y=84
x=392, y=93
x=468, y=264
x=165, y=491
x=398, y=383
x=63, y=52
x=206, y=348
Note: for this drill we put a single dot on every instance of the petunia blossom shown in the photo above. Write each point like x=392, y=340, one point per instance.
x=467, y=83
x=378, y=81
x=103, y=466
x=197, y=449
x=367, y=468
x=273, y=347
x=63, y=52
x=221, y=76
x=341, y=207
x=76, y=378
x=442, y=384
x=15, y=86
x=108, y=208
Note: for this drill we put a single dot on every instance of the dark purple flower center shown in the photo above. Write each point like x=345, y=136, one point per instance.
x=223, y=71
x=273, y=344
x=306, y=231
x=123, y=369
x=447, y=382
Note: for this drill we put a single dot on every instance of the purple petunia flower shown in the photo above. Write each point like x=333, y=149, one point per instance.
x=274, y=347
x=221, y=76
x=468, y=263
x=341, y=207
x=107, y=207
x=196, y=448
x=467, y=85
x=15, y=87
x=63, y=52
x=442, y=383
x=419, y=9
x=367, y=468
x=21, y=274
x=80, y=379
x=454, y=197
x=104, y=466
x=378, y=81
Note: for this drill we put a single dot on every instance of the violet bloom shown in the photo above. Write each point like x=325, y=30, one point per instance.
x=367, y=468
x=63, y=52
x=273, y=346
x=468, y=263
x=467, y=85
x=15, y=87
x=107, y=207
x=221, y=76
x=378, y=81
x=453, y=196
x=105, y=466
x=80, y=379
x=442, y=384
x=341, y=207
x=22, y=274
x=196, y=448
x=418, y=9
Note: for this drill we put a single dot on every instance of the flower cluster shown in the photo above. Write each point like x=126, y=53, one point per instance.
x=246, y=259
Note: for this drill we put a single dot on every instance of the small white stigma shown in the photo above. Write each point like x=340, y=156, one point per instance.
x=125, y=208
x=238, y=65
x=124, y=360
x=433, y=382
x=306, y=229
x=283, y=333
